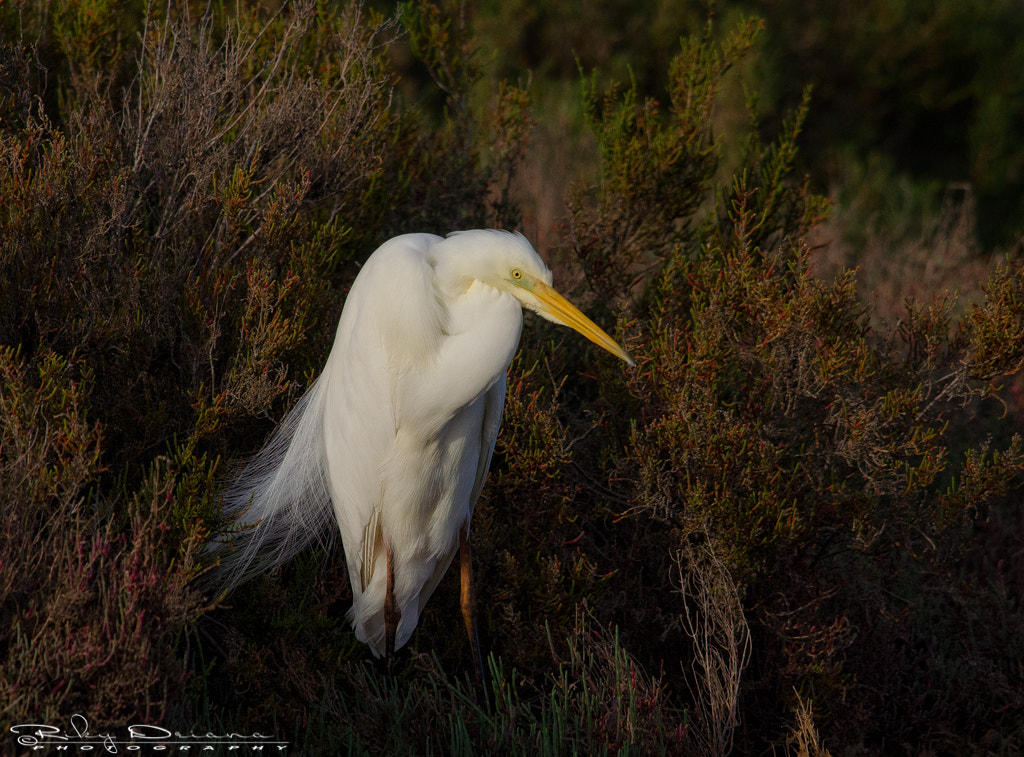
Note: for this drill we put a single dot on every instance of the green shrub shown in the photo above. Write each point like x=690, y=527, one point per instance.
x=95, y=593
x=816, y=453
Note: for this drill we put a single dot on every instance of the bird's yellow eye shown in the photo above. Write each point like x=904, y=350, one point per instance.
x=517, y=274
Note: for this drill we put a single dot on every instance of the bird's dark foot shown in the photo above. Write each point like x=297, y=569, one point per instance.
x=392, y=617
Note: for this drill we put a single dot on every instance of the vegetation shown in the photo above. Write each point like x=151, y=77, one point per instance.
x=794, y=527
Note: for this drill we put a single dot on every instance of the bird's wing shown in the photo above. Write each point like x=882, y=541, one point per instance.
x=362, y=379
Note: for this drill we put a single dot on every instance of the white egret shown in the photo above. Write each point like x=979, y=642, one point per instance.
x=395, y=437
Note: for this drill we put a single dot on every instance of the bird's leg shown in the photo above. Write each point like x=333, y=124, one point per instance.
x=469, y=602
x=392, y=615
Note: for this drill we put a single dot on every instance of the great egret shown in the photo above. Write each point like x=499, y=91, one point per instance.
x=395, y=436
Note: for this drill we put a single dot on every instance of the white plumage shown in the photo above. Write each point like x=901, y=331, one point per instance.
x=395, y=437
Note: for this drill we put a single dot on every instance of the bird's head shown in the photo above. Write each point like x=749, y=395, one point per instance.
x=515, y=267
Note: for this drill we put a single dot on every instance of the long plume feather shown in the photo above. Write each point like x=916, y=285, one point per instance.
x=279, y=501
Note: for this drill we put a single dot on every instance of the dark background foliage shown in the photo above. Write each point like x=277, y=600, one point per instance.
x=794, y=527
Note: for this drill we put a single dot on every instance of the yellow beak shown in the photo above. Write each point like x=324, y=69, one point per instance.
x=560, y=309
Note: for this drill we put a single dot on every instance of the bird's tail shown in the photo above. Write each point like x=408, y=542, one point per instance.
x=279, y=502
